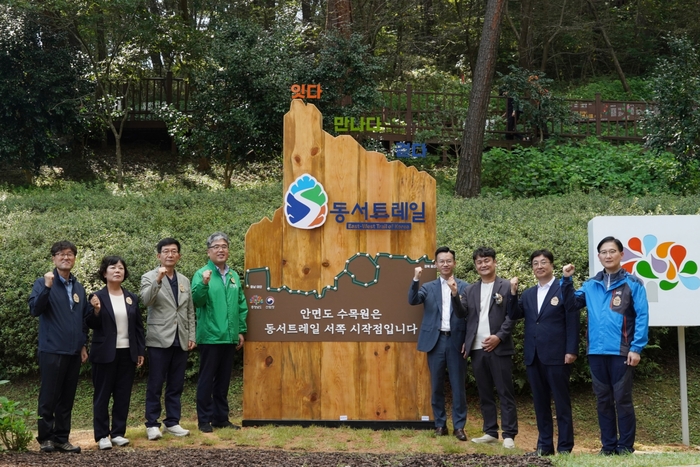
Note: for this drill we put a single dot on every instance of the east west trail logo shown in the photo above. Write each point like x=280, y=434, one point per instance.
x=306, y=203
x=665, y=262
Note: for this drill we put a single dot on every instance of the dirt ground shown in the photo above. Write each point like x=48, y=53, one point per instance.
x=255, y=458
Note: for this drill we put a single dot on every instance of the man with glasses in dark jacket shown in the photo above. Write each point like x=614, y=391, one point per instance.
x=58, y=299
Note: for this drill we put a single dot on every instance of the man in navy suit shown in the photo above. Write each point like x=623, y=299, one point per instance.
x=551, y=347
x=442, y=337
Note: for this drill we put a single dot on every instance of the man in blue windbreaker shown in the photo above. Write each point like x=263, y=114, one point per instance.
x=618, y=325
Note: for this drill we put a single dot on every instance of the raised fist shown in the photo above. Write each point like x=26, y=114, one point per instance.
x=514, y=285
x=417, y=273
x=48, y=279
x=95, y=302
x=568, y=270
x=161, y=274
x=206, y=275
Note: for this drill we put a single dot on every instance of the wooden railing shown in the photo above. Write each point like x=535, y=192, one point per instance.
x=423, y=116
x=437, y=118
x=146, y=95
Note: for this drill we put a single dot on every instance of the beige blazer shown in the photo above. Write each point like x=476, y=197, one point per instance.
x=163, y=316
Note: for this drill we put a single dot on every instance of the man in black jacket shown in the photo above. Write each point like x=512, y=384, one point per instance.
x=58, y=299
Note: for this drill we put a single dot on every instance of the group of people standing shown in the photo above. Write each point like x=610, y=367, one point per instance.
x=460, y=321
x=119, y=342
x=476, y=321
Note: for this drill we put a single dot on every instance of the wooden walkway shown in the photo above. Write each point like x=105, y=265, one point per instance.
x=411, y=116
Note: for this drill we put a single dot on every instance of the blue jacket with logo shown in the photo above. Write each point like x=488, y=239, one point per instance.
x=618, y=312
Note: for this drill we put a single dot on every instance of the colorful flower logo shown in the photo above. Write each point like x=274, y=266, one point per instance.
x=306, y=203
x=665, y=261
x=255, y=300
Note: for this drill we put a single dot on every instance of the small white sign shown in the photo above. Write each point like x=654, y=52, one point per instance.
x=425, y=418
x=343, y=418
x=662, y=251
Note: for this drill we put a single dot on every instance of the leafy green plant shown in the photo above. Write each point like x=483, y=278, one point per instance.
x=14, y=434
x=674, y=124
x=588, y=166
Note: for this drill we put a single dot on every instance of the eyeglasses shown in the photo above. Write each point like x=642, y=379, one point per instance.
x=169, y=252
x=223, y=247
x=65, y=255
x=536, y=264
x=607, y=252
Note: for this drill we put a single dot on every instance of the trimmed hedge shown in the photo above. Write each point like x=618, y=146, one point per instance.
x=100, y=222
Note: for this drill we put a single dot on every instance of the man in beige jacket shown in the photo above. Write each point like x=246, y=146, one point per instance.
x=170, y=335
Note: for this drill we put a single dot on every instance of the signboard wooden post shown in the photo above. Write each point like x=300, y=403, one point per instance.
x=331, y=338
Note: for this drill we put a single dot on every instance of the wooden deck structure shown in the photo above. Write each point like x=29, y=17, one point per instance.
x=409, y=115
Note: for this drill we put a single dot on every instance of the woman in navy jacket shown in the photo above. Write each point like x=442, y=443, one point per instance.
x=118, y=347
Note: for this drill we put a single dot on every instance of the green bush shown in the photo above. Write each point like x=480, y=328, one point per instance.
x=589, y=166
x=610, y=89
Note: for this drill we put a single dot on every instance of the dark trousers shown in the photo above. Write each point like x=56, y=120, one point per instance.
x=612, y=385
x=59, y=380
x=547, y=382
x=215, y=365
x=165, y=366
x=445, y=358
x=112, y=380
x=491, y=370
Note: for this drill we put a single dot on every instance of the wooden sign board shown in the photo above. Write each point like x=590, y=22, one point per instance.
x=352, y=228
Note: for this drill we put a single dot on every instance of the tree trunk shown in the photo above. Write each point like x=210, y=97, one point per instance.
x=228, y=168
x=618, y=68
x=306, y=11
x=469, y=170
x=339, y=17
x=120, y=171
x=525, y=36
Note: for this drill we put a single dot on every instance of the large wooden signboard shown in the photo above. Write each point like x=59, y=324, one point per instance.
x=315, y=269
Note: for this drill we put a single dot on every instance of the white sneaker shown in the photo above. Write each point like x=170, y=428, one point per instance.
x=104, y=443
x=119, y=441
x=485, y=439
x=508, y=443
x=177, y=430
x=153, y=433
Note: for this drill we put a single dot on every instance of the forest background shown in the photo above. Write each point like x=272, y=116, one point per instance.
x=70, y=169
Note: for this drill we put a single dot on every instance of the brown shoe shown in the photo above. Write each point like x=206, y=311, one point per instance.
x=441, y=431
x=460, y=435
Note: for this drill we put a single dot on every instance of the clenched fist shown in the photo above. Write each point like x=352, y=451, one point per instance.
x=452, y=284
x=161, y=274
x=417, y=273
x=206, y=276
x=568, y=270
x=95, y=302
x=48, y=279
x=514, y=285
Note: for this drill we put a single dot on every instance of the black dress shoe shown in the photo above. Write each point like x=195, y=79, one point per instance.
x=603, y=452
x=66, y=447
x=226, y=424
x=460, y=435
x=46, y=446
x=205, y=427
x=441, y=431
x=540, y=453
